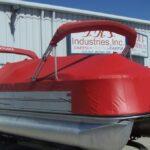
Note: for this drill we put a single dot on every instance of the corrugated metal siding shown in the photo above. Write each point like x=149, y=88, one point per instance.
x=34, y=29
x=27, y=31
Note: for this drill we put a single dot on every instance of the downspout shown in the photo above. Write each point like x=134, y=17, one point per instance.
x=41, y=30
x=53, y=23
x=54, y=52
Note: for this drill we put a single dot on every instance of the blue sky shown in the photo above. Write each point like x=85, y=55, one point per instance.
x=131, y=8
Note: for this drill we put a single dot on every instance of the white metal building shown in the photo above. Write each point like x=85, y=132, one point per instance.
x=31, y=25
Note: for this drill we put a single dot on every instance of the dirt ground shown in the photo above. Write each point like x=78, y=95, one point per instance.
x=144, y=141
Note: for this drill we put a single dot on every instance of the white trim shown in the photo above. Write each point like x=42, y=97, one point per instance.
x=73, y=10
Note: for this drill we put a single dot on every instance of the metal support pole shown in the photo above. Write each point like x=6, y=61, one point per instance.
x=42, y=62
x=126, y=50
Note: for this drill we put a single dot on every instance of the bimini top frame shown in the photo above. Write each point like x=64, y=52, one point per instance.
x=82, y=26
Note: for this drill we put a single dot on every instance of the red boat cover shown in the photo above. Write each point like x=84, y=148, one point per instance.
x=99, y=84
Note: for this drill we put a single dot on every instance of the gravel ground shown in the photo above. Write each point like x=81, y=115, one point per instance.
x=144, y=141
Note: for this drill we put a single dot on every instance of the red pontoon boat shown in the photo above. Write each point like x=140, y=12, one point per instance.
x=89, y=101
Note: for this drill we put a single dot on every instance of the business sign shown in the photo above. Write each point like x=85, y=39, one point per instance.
x=141, y=46
x=102, y=42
